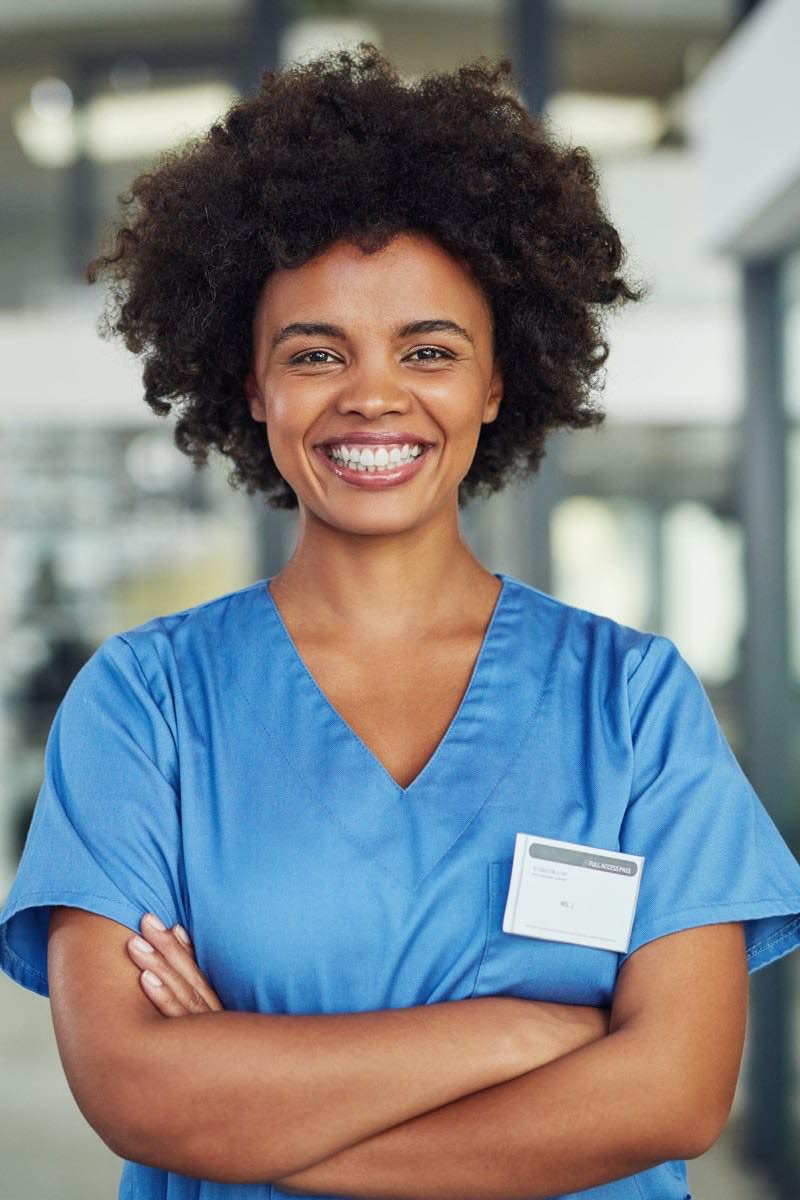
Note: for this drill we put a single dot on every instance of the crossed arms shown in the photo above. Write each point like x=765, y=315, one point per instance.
x=492, y=1097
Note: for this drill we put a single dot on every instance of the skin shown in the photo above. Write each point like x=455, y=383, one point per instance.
x=379, y=567
x=673, y=1044
x=217, y=1083
x=387, y=564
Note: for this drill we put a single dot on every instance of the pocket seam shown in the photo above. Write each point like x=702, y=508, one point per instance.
x=495, y=909
x=487, y=931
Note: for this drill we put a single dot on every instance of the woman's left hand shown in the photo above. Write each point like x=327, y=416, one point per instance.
x=183, y=988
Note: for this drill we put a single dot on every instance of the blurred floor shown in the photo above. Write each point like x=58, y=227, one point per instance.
x=47, y=1149
x=49, y=1152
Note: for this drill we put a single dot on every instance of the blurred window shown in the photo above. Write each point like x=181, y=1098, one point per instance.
x=791, y=298
x=601, y=557
x=703, y=596
x=791, y=359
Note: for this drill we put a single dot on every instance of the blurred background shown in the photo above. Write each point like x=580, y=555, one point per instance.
x=680, y=516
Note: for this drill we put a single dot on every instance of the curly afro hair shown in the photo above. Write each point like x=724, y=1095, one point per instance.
x=340, y=148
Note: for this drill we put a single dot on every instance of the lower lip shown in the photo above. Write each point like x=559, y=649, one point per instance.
x=384, y=477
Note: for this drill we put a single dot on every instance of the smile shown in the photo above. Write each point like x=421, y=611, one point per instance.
x=371, y=475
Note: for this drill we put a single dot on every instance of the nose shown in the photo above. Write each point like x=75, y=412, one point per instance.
x=373, y=394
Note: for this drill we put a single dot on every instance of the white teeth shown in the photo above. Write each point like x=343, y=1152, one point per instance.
x=365, y=458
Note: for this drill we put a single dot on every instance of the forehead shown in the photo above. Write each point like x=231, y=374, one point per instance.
x=411, y=277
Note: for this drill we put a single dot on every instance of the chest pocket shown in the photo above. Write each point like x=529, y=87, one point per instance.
x=534, y=968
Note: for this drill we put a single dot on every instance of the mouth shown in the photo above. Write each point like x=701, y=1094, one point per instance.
x=393, y=466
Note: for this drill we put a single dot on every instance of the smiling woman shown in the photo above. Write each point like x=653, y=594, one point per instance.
x=367, y=380
x=323, y=776
x=337, y=151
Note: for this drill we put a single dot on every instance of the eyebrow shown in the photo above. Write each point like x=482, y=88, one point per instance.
x=324, y=329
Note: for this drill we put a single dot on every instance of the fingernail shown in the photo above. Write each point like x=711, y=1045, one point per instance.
x=153, y=920
x=142, y=945
x=151, y=978
x=182, y=935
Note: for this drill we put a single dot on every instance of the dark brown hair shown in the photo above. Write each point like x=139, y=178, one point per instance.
x=340, y=148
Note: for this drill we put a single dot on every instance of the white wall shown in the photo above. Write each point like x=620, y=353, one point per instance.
x=675, y=356
x=743, y=123
x=58, y=371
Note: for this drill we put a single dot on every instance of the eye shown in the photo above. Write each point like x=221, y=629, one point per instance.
x=306, y=356
x=435, y=349
x=298, y=358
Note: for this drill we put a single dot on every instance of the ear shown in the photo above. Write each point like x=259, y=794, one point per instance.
x=255, y=400
x=494, y=396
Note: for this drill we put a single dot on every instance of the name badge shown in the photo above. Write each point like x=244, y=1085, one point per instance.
x=566, y=892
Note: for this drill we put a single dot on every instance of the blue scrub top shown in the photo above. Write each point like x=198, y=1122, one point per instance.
x=194, y=768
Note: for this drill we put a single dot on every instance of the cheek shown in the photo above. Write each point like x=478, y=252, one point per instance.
x=464, y=427
x=288, y=420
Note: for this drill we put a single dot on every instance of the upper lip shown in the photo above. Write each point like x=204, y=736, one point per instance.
x=371, y=438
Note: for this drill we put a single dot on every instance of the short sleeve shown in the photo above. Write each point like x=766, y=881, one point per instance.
x=712, y=851
x=105, y=831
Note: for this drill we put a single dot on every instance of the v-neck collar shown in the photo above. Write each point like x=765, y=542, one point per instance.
x=404, y=832
x=347, y=729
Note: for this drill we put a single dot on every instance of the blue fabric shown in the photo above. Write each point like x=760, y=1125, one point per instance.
x=195, y=769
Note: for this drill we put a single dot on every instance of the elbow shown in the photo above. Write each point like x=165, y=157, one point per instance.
x=703, y=1130
x=106, y=1127
x=102, y=1106
x=711, y=1104
x=676, y=1112
x=124, y=1128
x=171, y=1135
x=698, y=1141
x=143, y=1119
x=695, y=1127
x=118, y=1143
x=143, y=1131
x=145, y=1141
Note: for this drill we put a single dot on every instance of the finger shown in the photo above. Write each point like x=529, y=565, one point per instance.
x=160, y=995
x=183, y=962
x=182, y=988
x=183, y=938
x=197, y=977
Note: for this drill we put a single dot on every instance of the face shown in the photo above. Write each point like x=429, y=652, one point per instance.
x=340, y=355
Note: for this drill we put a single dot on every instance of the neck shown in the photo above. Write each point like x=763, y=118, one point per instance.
x=382, y=587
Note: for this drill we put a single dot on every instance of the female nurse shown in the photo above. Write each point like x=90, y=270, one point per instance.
x=376, y=300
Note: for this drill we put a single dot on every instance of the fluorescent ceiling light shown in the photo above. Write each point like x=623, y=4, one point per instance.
x=114, y=128
x=140, y=124
x=605, y=124
x=47, y=141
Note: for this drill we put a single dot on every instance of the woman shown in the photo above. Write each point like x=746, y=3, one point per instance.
x=376, y=300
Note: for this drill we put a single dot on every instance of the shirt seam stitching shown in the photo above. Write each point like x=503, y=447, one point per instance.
x=532, y=718
x=23, y=966
x=757, y=947
x=634, y=672
x=149, y=690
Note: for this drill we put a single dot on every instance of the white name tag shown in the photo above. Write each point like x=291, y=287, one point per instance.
x=566, y=892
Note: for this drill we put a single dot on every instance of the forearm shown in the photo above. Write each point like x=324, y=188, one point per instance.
x=245, y=1097
x=594, y=1115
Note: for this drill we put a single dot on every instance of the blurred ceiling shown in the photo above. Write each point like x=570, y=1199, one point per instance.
x=643, y=47
x=650, y=50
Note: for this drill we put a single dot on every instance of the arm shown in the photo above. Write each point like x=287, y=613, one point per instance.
x=244, y=1097
x=660, y=1086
